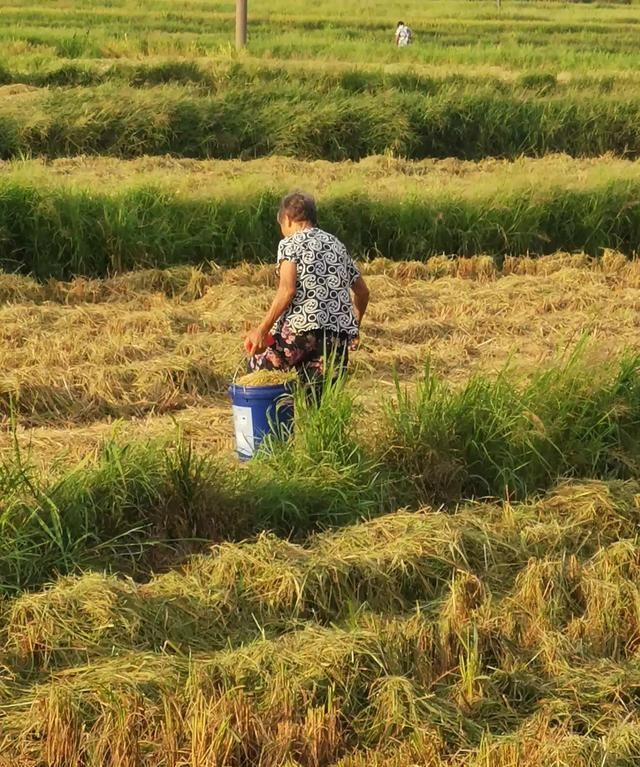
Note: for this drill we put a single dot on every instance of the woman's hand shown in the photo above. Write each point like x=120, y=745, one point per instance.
x=256, y=341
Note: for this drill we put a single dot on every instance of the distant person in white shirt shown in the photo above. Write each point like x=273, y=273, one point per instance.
x=403, y=35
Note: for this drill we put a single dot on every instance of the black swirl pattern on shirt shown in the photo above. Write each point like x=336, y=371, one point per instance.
x=326, y=273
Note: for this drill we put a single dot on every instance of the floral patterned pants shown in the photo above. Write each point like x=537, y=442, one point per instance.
x=306, y=352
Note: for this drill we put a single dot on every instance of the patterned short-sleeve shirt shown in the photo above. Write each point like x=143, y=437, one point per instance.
x=326, y=273
x=403, y=36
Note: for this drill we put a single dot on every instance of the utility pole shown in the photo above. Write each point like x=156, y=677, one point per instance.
x=241, y=24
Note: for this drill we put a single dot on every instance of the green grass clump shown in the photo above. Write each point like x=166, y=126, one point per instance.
x=138, y=506
x=504, y=438
x=321, y=476
x=124, y=510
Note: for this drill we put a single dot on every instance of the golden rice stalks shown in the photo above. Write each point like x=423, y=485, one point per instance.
x=267, y=378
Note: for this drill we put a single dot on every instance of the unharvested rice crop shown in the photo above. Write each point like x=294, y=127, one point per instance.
x=114, y=119
x=98, y=217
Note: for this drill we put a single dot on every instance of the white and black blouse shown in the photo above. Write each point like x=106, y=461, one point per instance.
x=326, y=273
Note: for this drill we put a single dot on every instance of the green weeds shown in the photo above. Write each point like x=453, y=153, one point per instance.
x=322, y=476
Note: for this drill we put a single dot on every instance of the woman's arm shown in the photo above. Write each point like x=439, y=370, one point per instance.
x=360, y=298
x=254, y=343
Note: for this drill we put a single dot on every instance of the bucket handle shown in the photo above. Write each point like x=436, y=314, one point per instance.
x=240, y=366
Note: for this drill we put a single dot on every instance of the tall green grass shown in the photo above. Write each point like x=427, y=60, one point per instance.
x=139, y=505
x=126, y=509
x=467, y=123
x=60, y=232
x=322, y=476
x=503, y=438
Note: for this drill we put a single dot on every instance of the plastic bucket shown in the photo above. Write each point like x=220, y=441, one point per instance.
x=259, y=411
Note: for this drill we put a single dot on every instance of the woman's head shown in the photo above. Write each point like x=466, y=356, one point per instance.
x=400, y=24
x=297, y=211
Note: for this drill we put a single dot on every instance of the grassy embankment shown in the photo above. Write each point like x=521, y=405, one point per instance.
x=95, y=216
x=469, y=122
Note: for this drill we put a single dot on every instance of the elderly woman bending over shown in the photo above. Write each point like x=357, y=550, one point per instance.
x=312, y=317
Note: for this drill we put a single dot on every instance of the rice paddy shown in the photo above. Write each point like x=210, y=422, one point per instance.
x=440, y=566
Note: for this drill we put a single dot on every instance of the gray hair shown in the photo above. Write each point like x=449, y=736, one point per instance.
x=298, y=207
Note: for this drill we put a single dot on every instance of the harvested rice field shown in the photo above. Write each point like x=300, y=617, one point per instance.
x=133, y=352
x=449, y=633
x=440, y=566
x=494, y=636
